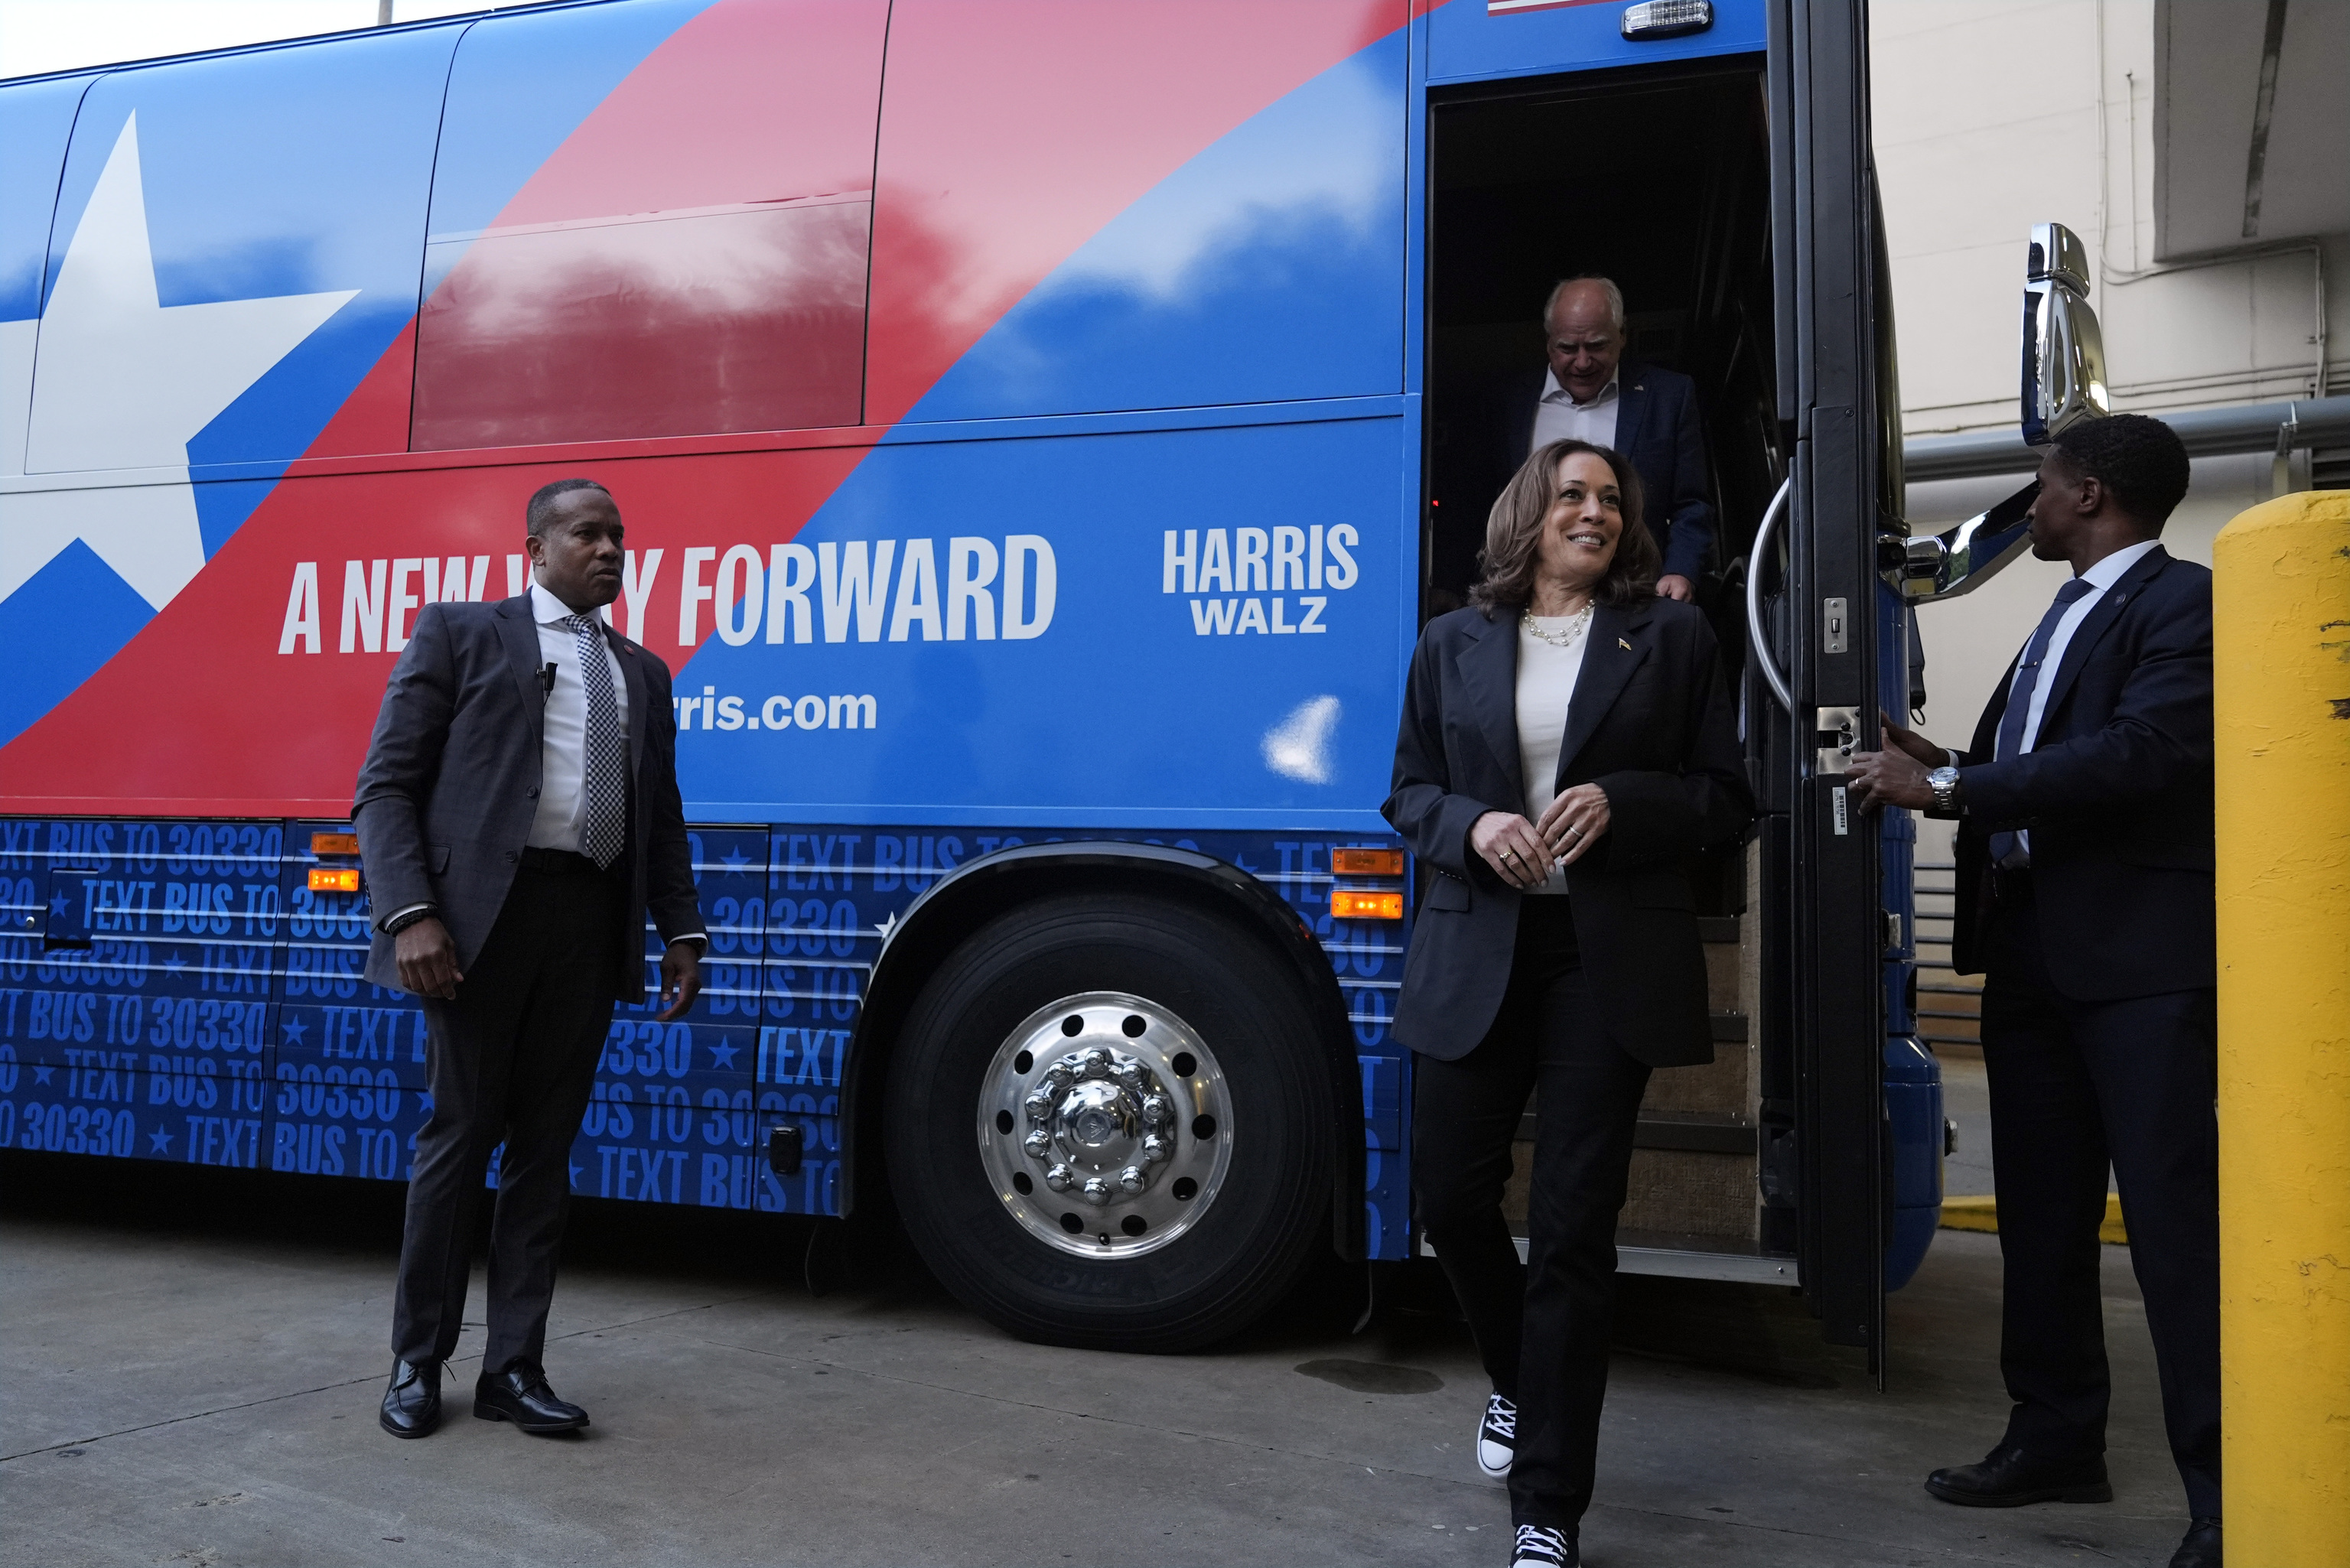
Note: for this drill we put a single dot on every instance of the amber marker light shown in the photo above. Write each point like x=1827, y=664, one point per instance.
x=334, y=843
x=1366, y=862
x=1349, y=904
x=335, y=879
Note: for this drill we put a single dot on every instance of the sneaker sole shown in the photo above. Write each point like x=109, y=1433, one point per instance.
x=2091, y=1491
x=1490, y=1474
x=487, y=1411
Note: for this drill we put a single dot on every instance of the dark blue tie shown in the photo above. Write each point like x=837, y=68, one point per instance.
x=2004, y=845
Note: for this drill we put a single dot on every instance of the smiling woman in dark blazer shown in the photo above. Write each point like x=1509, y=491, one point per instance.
x=1567, y=745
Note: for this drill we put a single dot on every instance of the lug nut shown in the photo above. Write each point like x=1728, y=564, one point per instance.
x=1060, y=1179
x=1097, y=1190
x=1154, y=1149
x=1158, y=1110
x=1038, y=1105
x=1038, y=1144
x=1132, y=1180
x=1095, y=1062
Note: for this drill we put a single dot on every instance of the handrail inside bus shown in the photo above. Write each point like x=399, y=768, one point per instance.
x=1770, y=675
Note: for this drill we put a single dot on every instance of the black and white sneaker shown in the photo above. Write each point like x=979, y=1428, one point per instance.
x=1539, y=1546
x=1497, y=1438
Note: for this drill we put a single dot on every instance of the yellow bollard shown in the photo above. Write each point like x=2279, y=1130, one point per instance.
x=2282, y=679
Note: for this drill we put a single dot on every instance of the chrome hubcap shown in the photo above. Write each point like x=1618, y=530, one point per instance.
x=1105, y=1125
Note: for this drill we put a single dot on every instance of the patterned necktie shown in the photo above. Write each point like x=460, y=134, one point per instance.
x=2005, y=847
x=607, y=773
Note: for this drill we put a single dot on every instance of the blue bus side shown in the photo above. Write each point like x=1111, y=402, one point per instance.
x=212, y=1010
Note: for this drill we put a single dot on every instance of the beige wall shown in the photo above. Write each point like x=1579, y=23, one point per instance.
x=1986, y=118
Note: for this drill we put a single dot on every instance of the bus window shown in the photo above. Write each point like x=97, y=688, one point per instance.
x=705, y=279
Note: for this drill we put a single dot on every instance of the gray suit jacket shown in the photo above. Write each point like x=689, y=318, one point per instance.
x=450, y=784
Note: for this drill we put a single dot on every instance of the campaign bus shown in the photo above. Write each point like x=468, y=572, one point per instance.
x=1036, y=426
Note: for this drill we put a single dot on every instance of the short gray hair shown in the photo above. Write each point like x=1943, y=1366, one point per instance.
x=1606, y=287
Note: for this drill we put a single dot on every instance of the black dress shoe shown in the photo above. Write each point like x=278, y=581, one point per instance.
x=2201, y=1549
x=2009, y=1478
x=520, y=1395
x=412, y=1404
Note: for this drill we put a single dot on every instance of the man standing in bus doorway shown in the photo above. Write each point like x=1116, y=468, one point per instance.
x=518, y=815
x=2084, y=898
x=1589, y=391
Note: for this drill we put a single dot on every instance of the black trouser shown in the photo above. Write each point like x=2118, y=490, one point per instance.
x=1543, y=1326
x=2072, y=1086
x=512, y=1058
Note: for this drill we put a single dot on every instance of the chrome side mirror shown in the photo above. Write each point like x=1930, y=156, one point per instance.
x=2064, y=352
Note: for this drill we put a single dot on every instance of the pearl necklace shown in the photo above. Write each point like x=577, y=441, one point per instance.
x=1559, y=640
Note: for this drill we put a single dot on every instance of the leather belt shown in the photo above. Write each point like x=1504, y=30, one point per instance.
x=561, y=863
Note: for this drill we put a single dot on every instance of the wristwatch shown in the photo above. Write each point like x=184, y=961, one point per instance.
x=1944, y=783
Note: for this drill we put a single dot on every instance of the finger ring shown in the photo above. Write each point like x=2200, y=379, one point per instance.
x=1575, y=833
x=1509, y=855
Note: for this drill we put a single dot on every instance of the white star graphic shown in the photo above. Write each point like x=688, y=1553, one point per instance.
x=888, y=927
x=723, y=1055
x=118, y=383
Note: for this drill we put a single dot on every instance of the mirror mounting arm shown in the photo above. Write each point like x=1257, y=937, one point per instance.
x=1923, y=567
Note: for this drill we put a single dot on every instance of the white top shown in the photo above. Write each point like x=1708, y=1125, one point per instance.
x=563, y=761
x=1558, y=417
x=2099, y=577
x=1546, y=676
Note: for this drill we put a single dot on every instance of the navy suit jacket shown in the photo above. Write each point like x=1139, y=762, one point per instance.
x=1656, y=426
x=451, y=784
x=2117, y=793
x=1650, y=724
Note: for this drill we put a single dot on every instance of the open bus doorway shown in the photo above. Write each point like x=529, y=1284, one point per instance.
x=1660, y=181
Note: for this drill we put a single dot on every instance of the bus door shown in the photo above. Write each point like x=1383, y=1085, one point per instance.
x=1815, y=687
x=1711, y=160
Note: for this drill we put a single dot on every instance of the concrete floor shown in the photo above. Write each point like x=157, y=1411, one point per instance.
x=189, y=1362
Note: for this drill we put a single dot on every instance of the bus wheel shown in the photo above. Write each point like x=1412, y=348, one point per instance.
x=1108, y=1124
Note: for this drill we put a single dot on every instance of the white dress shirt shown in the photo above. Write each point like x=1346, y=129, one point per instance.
x=563, y=760
x=2100, y=578
x=1558, y=417
x=1546, y=677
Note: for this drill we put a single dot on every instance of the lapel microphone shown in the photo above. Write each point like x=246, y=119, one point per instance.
x=546, y=683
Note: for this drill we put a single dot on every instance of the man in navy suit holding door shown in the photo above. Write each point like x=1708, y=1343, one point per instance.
x=1589, y=391
x=2084, y=899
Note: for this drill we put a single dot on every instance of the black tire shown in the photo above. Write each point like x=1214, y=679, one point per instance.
x=1270, y=1213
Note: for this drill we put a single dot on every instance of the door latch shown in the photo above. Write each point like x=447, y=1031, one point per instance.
x=1836, y=731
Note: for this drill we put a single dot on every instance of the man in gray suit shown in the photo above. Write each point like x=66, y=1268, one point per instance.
x=518, y=815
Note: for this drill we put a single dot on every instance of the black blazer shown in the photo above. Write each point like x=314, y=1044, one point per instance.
x=2116, y=792
x=1656, y=426
x=1650, y=724
x=451, y=784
